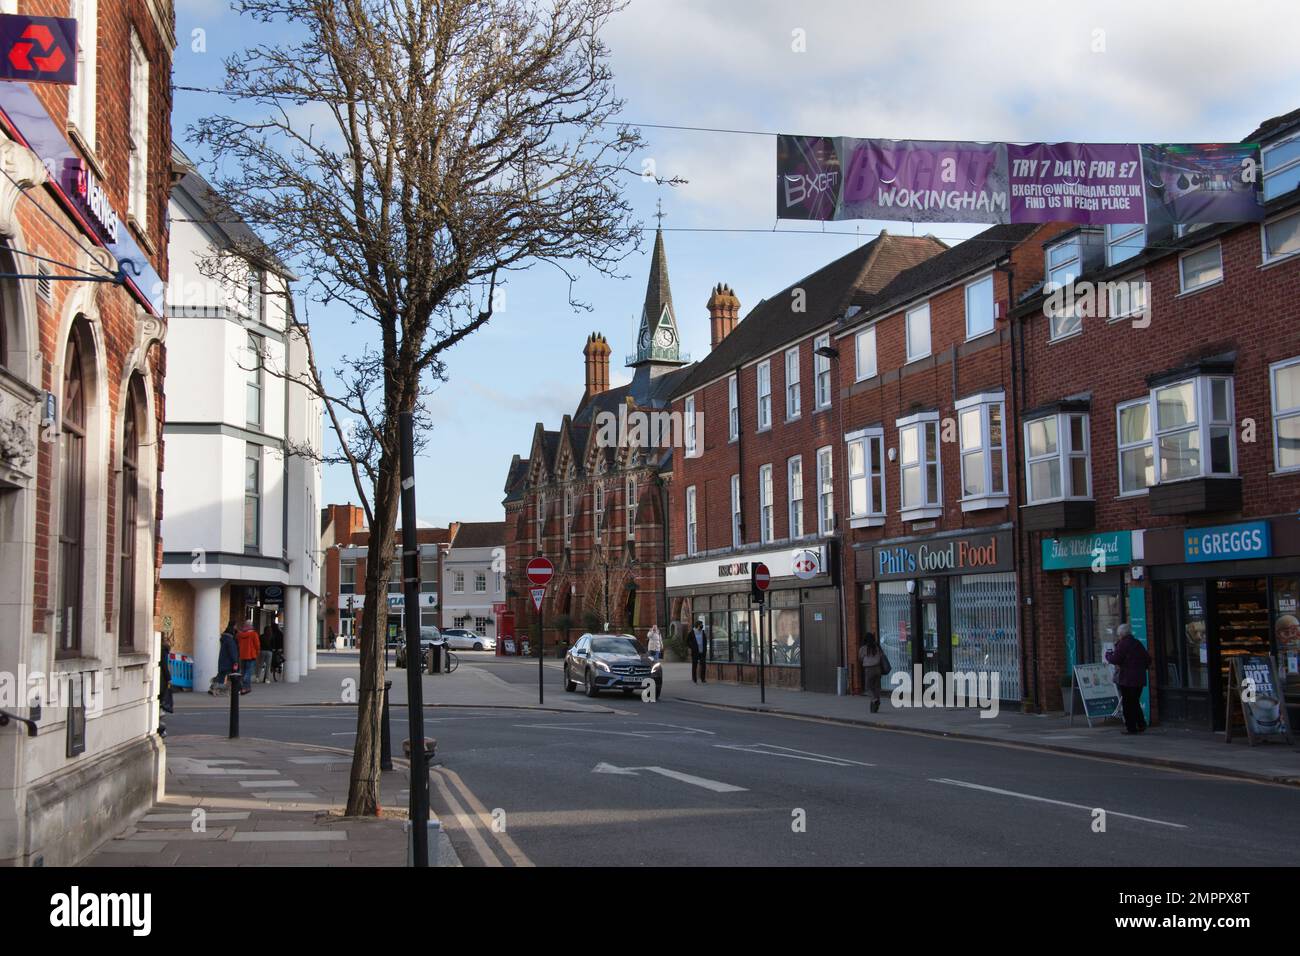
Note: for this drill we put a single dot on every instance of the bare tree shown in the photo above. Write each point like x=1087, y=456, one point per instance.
x=404, y=156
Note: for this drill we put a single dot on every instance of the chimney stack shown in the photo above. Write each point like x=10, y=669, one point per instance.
x=596, y=352
x=724, y=311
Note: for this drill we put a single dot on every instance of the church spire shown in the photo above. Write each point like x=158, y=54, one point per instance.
x=657, y=339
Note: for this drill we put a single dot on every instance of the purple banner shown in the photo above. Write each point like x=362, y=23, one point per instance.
x=1076, y=182
x=1209, y=182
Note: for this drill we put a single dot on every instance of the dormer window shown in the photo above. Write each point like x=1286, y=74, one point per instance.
x=1281, y=161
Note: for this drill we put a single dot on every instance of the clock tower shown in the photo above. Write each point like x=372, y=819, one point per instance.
x=658, y=346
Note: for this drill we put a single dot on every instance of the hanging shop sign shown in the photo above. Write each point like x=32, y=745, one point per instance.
x=969, y=554
x=91, y=197
x=38, y=49
x=1103, y=550
x=832, y=178
x=1228, y=542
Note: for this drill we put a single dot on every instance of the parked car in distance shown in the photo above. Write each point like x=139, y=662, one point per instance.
x=428, y=637
x=611, y=662
x=463, y=639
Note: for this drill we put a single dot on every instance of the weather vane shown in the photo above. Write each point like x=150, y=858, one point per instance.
x=659, y=212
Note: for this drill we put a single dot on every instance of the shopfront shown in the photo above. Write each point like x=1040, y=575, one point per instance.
x=1097, y=594
x=947, y=603
x=797, y=632
x=1221, y=592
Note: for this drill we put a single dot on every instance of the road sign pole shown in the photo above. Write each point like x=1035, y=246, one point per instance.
x=541, y=654
x=540, y=570
x=419, y=785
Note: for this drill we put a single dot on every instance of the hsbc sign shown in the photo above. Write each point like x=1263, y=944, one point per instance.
x=38, y=49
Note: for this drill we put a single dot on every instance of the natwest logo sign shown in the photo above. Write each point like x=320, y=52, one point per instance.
x=90, y=197
x=38, y=49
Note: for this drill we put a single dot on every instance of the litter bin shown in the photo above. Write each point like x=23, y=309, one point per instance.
x=437, y=658
x=432, y=830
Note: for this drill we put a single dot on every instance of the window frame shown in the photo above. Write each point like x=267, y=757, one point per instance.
x=254, y=382
x=763, y=392
x=629, y=506
x=985, y=403
x=858, y=339
x=926, y=508
x=692, y=523
x=737, y=538
x=913, y=356
x=83, y=95
x=822, y=374
x=480, y=576
x=793, y=484
x=766, y=505
x=689, y=436
x=872, y=442
x=253, y=497
x=1122, y=447
x=1203, y=398
x=1277, y=415
x=73, y=460
x=1265, y=258
x=1286, y=167
x=1183, y=288
x=1063, y=456
x=1135, y=280
x=733, y=408
x=993, y=305
x=825, y=490
x=133, y=415
x=1116, y=240
x=138, y=132
x=457, y=582
x=793, y=394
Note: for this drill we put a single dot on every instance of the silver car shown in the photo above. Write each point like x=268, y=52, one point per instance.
x=463, y=639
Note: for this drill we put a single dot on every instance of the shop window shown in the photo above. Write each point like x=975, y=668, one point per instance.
x=980, y=419
x=918, y=332
x=785, y=640
x=825, y=492
x=1124, y=241
x=1286, y=608
x=1201, y=268
x=1281, y=237
x=821, y=373
x=733, y=408
x=764, y=395
x=765, y=522
x=1194, y=428
x=72, y=491
x=920, y=491
x=691, y=543
x=1281, y=162
x=735, y=511
x=1057, y=458
x=794, y=482
x=866, y=454
x=979, y=307
x=894, y=613
x=1137, y=469
x=1286, y=414
x=864, y=352
x=792, y=407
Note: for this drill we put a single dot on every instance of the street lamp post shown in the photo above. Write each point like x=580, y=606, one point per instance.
x=842, y=672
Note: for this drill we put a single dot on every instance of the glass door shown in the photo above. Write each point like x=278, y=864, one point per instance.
x=1104, y=613
x=934, y=659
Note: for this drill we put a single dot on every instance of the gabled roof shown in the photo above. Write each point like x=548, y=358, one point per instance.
x=1274, y=126
x=826, y=293
x=480, y=534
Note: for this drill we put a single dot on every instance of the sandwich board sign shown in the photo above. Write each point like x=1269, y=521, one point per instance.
x=1097, y=690
x=1263, y=706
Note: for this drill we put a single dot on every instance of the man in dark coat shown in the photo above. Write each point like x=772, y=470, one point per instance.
x=1132, y=659
x=272, y=641
x=227, y=657
x=698, y=643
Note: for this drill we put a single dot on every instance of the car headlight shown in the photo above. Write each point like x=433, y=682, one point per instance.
x=657, y=667
x=602, y=666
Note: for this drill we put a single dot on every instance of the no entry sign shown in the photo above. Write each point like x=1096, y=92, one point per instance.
x=762, y=577
x=540, y=571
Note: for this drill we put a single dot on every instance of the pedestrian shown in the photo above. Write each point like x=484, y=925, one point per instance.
x=699, y=644
x=272, y=641
x=250, y=645
x=227, y=658
x=1132, y=659
x=872, y=657
x=165, y=704
x=655, y=643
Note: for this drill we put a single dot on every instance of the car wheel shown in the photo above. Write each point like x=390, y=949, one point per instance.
x=569, y=686
x=478, y=647
x=590, y=688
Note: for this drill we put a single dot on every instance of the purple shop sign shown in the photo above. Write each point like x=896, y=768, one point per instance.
x=1086, y=183
x=38, y=49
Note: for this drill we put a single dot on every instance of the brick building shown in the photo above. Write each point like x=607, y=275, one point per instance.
x=590, y=496
x=759, y=482
x=345, y=541
x=83, y=240
x=1163, y=448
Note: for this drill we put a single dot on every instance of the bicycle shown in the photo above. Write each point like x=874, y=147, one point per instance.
x=451, y=661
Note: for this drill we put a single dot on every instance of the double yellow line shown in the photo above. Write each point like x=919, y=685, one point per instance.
x=469, y=815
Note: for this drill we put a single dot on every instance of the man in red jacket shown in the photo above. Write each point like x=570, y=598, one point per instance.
x=250, y=645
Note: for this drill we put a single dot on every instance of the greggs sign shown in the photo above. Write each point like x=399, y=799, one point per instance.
x=965, y=555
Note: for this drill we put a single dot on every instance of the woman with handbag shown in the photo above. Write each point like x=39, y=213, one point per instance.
x=874, y=665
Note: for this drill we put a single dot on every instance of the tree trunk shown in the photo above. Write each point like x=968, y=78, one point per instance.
x=363, y=789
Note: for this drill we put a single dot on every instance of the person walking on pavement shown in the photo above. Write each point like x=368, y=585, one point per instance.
x=250, y=645
x=165, y=704
x=872, y=657
x=227, y=659
x=1132, y=659
x=698, y=644
x=272, y=641
x=655, y=643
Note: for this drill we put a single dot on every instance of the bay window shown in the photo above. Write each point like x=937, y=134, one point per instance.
x=983, y=451
x=690, y=521
x=1057, y=453
x=822, y=373
x=1193, y=417
x=764, y=395
x=825, y=492
x=865, y=450
x=1285, y=378
x=920, y=492
x=765, y=531
x=792, y=407
x=1137, y=469
x=794, y=482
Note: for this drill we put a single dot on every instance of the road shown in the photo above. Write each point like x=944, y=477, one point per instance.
x=678, y=784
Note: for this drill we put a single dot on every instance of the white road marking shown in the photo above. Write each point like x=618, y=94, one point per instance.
x=485, y=819
x=1059, y=803
x=620, y=733
x=774, y=750
x=714, y=785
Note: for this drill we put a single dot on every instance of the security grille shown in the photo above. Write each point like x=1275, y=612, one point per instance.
x=984, y=628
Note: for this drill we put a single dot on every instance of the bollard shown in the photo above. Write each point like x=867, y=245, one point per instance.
x=386, y=739
x=235, y=683
x=435, y=659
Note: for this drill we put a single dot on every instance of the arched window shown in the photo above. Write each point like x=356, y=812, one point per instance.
x=72, y=489
x=132, y=422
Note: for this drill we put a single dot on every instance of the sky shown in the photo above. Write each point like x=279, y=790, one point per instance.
x=1037, y=71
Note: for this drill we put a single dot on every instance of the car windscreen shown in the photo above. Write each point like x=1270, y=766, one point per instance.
x=614, y=645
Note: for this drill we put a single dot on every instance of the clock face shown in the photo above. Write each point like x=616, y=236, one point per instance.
x=645, y=336
x=664, y=338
